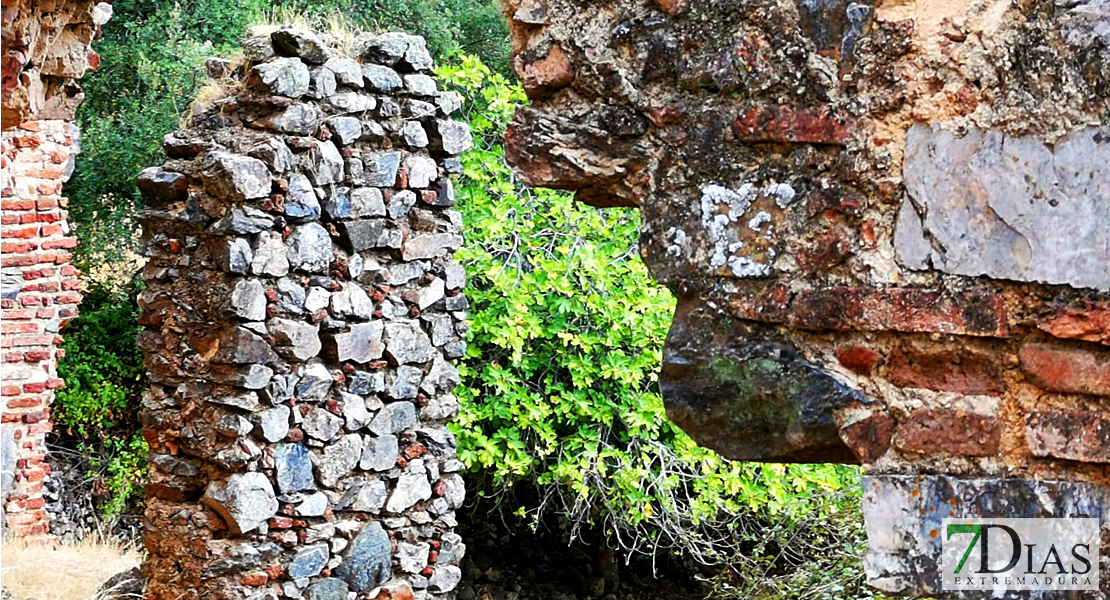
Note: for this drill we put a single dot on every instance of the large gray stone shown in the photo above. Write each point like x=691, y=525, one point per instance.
x=327, y=163
x=381, y=168
x=422, y=171
x=308, y=561
x=297, y=119
x=281, y=76
x=248, y=300
x=404, y=382
x=367, y=562
x=430, y=245
x=339, y=459
x=367, y=202
x=270, y=255
x=273, y=423
x=315, y=383
x=305, y=44
x=406, y=342
x=380, y=453
x=347, y=71
x=297, y=338
x=345, y=129
x=362, y=343
x=242, y=220
x=274, y=153
x=364, y=496
x=321, y=424
x=300, y=199
x=309, y=248
x=329, y=588
x=380, y=78
x=244, y=500
x=412, y=487
x=451, y=137
x=444, y=579
x=293, y=468
x=1008, y=207
x=394, y=418
x=234, y=177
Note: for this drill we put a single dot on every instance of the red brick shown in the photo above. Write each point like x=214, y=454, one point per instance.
x=32, y=340
x=858, y=359
x=1065, y=369
x=25, y=403
x=843, y=308
x=1088, y=321
x=869, y=439
x=1070, y=435
x=34, y=388
x=945, y=369
x=17, y=205
x=62, y=243
x=51, y=229
x=36, y=356
x=255, y=578
x=68, y=298
x=17, y=314
x=949, y=432
x=10, y=390
x=34, y=417
x=29, y=141
x=20, y=327
x=784, y=123
x=29, y=126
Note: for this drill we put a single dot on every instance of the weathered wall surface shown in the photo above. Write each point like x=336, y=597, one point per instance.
x=46, y=47
x=301, y=314
x=887, y=225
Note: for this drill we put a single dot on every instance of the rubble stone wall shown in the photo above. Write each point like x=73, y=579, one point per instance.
x=300, y=316
x=887, y=225
x=45, y=49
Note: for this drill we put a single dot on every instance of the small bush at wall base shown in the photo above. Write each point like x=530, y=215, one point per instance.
x=95, y=413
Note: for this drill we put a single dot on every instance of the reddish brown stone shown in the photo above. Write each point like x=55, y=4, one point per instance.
x=671, y=7
x=1069, y=370
x=1071, y=435
x=824, y=251
x=546, y=74
x=952, y=432
x=783, y=123
x=1088, y=321
x=899, y=309
x=858, y=359
x=945, y=370
x=869, y=438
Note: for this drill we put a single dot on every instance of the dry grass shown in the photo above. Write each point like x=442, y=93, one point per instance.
x=45, y=571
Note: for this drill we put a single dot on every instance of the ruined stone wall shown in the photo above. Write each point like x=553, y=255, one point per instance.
x=887, y=225
x=301, y=314
x=46, y=48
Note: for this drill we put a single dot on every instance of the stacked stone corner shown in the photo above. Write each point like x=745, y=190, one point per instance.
x=301, y=314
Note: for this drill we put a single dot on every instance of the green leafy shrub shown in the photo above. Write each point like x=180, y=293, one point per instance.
x=103, y=371
x=559, y=389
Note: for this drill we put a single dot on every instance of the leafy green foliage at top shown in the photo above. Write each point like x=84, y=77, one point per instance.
x=153, y=52
x=559, y=388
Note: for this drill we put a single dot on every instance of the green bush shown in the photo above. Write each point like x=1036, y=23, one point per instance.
x=103, y=371
x=559, y=389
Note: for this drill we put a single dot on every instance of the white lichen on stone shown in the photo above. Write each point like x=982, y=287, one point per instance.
x=722, y=209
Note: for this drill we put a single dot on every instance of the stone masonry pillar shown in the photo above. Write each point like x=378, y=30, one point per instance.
x=301, y=314
x=46, y=49
x=887, y=225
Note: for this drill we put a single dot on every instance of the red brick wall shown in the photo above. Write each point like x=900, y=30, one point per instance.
x=40, y=293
